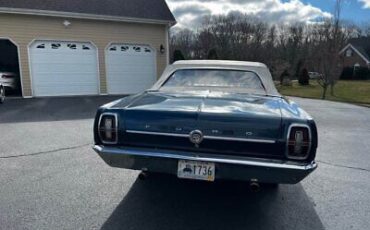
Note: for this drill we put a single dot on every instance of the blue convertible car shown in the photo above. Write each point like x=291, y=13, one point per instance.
x=210, y=120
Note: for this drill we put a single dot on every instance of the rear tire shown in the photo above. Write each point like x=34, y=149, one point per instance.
x=2, y=95
x=143, y=175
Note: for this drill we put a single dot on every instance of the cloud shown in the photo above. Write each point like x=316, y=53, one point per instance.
x=366, y=3
x=189, y=13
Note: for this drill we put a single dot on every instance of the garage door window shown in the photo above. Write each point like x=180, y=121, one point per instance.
x=41, y=46
x=55, y=46
x=72, y=46
x=137, y=49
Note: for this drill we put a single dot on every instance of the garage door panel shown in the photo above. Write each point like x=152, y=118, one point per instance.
x=61, y=68
x=132, y=58
x=44, y=91
x=58, y=91
x=130, y=68
x=132, y=82
x=63, y=60
x=66, y=60
x=80, y=87
x=66, y=70
x=60, y=78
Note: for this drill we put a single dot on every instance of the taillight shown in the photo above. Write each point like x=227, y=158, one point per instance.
x=108, y=128
x=299, y=142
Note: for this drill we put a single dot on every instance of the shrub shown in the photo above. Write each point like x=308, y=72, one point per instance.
x=347, y=73
x=283, y=76
x=212, y=54
x=304, y=77
x=360, y=73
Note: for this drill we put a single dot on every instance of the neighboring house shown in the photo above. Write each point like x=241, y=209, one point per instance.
x=87, y=47
x=356, y=53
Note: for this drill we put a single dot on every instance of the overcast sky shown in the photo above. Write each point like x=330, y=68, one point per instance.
x=189, y=12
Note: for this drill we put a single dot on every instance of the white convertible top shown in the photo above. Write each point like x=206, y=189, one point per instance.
x=259, y=68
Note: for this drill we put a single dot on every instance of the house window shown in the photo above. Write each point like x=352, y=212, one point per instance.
x=349, y=53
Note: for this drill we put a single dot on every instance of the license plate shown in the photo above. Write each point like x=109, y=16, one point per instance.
x=196, y=170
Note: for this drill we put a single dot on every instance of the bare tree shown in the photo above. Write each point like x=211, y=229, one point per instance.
x=328, y=61
x=270, y=45
x=294, y=47
x=183, y=41
x=284, y=48
x=367, y=30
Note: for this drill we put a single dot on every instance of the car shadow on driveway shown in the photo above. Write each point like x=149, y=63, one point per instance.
x=52, y=108
x=164, y=202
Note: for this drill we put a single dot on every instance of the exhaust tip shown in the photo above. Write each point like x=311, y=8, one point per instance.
x=255, y=187
x=143, y=176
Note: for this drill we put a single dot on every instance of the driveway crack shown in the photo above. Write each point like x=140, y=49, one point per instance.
x=344, y=166
x=46, y=152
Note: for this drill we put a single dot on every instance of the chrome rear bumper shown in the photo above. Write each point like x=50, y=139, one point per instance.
x=227, y=167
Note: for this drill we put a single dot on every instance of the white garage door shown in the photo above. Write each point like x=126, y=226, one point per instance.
x=130, y=68
x=64, y=68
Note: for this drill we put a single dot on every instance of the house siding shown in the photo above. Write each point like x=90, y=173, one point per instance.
x=351, y=61
x=24, y=29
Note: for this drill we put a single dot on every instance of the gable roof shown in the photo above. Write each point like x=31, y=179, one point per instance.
x=145, y=10
x=361, y=46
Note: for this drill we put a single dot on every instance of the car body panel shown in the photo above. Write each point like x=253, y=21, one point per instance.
x=232, y=124
x=231, y=168
x=10, y=83
x=235, y=114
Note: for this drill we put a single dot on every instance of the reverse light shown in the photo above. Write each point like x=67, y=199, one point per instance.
x=299, y=142
x=108, y=128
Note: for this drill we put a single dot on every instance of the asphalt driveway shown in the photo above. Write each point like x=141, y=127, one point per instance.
x=51, y=179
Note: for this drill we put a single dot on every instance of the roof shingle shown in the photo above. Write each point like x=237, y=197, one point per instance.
x=141, y=9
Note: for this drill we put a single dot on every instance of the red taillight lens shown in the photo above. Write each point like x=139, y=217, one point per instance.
x=299, y=142
x=108, y=128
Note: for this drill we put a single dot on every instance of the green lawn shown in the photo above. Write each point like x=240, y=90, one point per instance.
x=357, y=92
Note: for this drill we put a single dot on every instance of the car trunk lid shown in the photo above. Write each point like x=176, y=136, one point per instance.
x=231, y=123
x=239, y=116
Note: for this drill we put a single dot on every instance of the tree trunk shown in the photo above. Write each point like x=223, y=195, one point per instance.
x=325, y=87
x=332, y=89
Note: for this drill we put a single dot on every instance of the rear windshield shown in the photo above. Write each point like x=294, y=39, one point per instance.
x=206, y=78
